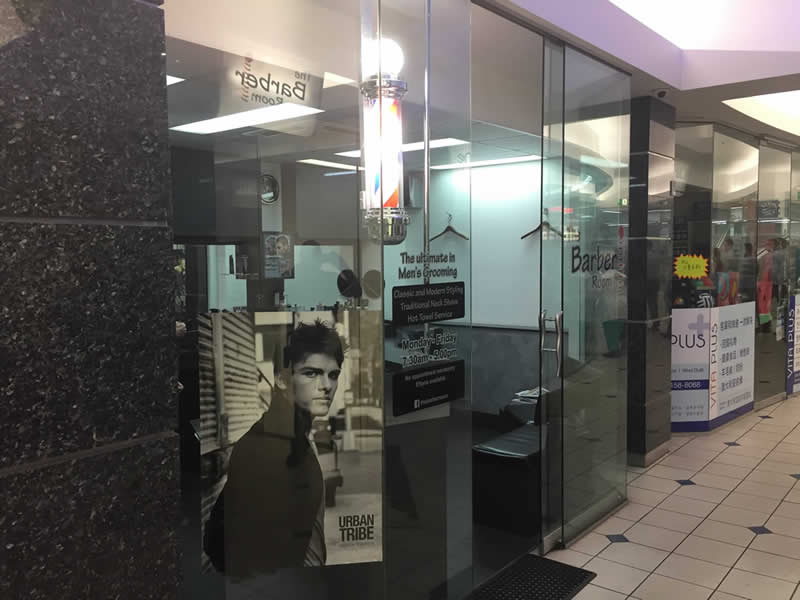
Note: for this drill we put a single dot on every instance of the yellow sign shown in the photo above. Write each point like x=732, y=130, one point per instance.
x=691, y=266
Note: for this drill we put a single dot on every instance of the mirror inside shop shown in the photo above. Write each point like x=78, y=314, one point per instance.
x=403, y=273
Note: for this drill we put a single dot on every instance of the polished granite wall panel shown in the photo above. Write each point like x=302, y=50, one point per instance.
x=96, y=528
x=83, y=113
x=87, y=348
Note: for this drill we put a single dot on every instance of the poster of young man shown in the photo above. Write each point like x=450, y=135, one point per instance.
x=303, y=423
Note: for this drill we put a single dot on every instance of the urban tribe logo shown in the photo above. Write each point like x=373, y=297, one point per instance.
x=357, y=528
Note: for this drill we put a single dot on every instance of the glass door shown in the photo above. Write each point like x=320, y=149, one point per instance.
x=504, y=178
x=583, y=291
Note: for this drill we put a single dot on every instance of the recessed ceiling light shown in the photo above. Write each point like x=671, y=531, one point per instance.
x=329, y=165
x=413, y=146
x=489, y=163
x=172, y=80
x=781, y=110
x=248, y=118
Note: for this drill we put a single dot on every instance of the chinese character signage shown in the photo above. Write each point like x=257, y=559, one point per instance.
x=712, y=364
x=691, y=266
x=792, y=348
x=732, y=358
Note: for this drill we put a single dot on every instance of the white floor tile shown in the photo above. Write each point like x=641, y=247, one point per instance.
x=673, y=520
x=671, y=472
x=570, y=557
x=655, y=484
x=715, y=481
x=785, y=457
x=725, y=532
x=593, y=592
x=699, y=492
x=658, y=587
x=655, y=537
x=633, y=511
x=701, y=548
x=706, y=445
x=613, y=525
x=790, y=510
x=699, y=452
x=778, y=544
x=688, y=506
x=776, y=467
x=788, y=448
x=724, y=596
x=646, y=497
x=755, y=437
x=757, y=488
x=723, y=470
x=784, y=526
x=756, y=587
x=614, y=576
x=738, y=516
x=683, y=462
x=679, y=440
x=744, y=456
x=779, y=567
x=750, y=502
x=793, y=496
x=591, y=543
x=693, y=570
x=634, y=555
x=768, y=477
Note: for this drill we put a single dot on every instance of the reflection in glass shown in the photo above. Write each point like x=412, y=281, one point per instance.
x=596, y=151
x=282, y=408
x=733, y=233
x=772, y=270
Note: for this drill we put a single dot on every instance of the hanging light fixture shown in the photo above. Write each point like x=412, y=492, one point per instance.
x=382, y=89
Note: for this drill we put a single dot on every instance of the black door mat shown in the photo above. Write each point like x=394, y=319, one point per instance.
x=534, y=578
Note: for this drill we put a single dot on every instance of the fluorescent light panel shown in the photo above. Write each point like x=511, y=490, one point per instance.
x=328, y=164
x=489, y=163
x=172, y=79
x=781, y=110
x=413, y=146
x=249, y=118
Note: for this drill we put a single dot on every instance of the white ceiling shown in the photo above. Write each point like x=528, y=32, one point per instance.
x=740, y=25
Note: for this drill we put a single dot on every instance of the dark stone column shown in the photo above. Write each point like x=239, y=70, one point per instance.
x=649, y=279
x=88, y=455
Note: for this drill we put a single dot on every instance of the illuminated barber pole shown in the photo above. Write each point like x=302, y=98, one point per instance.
x=382, y=200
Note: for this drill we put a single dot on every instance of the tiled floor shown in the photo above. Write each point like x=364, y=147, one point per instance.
x=717, y=518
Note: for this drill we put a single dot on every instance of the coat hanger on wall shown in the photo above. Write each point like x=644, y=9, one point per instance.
x=450, y=229
x=543, y=225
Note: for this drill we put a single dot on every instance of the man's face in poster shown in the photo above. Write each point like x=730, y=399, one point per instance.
x=314, y=382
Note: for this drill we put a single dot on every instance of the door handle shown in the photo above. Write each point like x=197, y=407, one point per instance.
x=559, y=343
x=559, y=323
x=542, y=329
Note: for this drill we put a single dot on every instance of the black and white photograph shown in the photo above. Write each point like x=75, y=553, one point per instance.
x=291, y=429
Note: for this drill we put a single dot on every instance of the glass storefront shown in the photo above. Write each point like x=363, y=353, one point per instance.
x=403, y=232
x=733, y=221
x=772, y=291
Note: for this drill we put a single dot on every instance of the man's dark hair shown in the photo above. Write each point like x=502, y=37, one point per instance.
x=318, y=338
